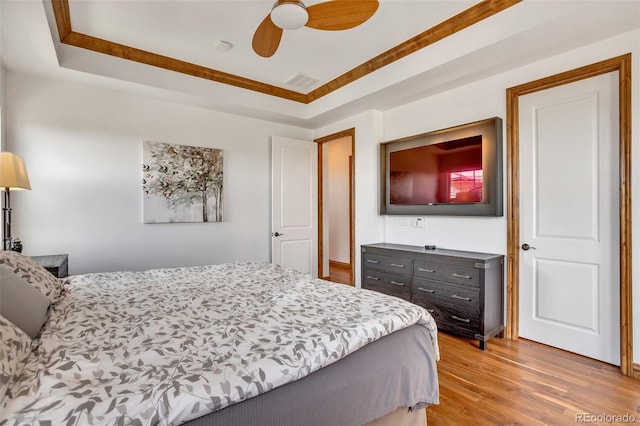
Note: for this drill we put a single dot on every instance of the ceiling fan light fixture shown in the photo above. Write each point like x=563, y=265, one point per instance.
x=289, y=15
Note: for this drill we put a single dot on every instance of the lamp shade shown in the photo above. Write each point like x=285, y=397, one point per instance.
x=13, y=174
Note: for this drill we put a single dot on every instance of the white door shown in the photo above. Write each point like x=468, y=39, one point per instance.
x=569, y=276
x=294, y=199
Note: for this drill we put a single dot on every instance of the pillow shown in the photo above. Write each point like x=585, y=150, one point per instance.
x=15, y=347
x=21, y=303
x=33, y=273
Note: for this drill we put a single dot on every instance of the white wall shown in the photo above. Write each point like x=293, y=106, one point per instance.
x=3, y=88
x=3, y=103
x=485, y=99
x=338, y=199
x=83, y=150
x=369, y=225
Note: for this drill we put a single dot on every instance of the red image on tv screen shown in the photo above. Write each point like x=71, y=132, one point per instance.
x=441, y=173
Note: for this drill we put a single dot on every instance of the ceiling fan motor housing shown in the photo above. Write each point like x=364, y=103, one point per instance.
x=289, y=15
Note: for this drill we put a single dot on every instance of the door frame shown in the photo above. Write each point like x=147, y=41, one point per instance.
x=320, y=141
x=622, y=64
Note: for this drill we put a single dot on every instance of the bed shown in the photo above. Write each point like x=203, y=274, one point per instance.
x=230, y=344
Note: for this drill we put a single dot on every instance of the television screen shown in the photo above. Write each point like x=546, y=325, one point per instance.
x=440, y=173
x=455, y=171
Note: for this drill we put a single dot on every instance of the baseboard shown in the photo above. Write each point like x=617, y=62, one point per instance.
x=339, y=265
x=636, y=371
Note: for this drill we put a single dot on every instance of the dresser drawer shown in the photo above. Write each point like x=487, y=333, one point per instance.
x=397, y=291
x=387, y=263
x=384, y=279
x=450, y=317
x=466, y=297
x=431, y=307
x=447, y=273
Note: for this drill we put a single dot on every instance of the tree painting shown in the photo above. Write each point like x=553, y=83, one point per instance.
x=181, y=183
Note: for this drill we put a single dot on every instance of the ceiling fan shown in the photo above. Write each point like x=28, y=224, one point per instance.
x=293, y=14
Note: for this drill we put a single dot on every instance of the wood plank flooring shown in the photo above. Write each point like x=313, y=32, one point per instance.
x=339, y=274
x=526, y=383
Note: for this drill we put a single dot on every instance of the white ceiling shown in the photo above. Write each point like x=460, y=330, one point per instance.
x=188, y=30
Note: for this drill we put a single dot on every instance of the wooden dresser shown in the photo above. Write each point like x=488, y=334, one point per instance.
x=462, y=290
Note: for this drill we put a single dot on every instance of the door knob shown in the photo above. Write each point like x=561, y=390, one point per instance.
x=526, y=247
x=277, y=234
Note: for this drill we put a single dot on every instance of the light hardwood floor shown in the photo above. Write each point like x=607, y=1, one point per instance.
x=340, y=274
x=526, y=383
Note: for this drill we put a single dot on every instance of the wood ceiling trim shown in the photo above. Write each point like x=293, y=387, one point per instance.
x=149, y=58
x=465, y=19
x=63, y=17
x=72, y=38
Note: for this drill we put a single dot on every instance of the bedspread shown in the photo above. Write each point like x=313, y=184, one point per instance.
x=168, y=345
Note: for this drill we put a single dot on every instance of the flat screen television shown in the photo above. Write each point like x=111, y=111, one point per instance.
x=455, y=171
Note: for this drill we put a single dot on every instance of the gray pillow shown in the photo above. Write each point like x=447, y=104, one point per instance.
x=29, y=270
x=21, y=303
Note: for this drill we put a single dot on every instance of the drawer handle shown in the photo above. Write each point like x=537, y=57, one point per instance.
x=466, y=277
x=397, y=283
x=457, y=318
x=455, y=296
x=397, y=265
x=428, y=290
x=426, y=270
x=373, y=278
x=373, y=261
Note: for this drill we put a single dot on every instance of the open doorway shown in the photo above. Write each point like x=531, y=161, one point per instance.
x=336, y=207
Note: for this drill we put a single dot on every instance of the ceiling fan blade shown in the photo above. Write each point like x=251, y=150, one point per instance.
x=266, y=38
x=340, y=14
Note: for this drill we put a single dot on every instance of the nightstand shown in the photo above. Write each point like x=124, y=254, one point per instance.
x=57, y=264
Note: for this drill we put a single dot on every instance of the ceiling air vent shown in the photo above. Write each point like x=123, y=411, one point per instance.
x=302, y=82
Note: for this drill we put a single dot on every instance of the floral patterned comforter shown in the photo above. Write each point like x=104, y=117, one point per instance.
x=168, y=345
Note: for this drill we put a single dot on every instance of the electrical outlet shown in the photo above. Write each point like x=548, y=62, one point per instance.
x=418, y=222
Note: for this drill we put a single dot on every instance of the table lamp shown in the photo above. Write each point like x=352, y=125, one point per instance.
x=13, y=175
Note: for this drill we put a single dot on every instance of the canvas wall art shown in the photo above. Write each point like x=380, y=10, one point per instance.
x=181, y=183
